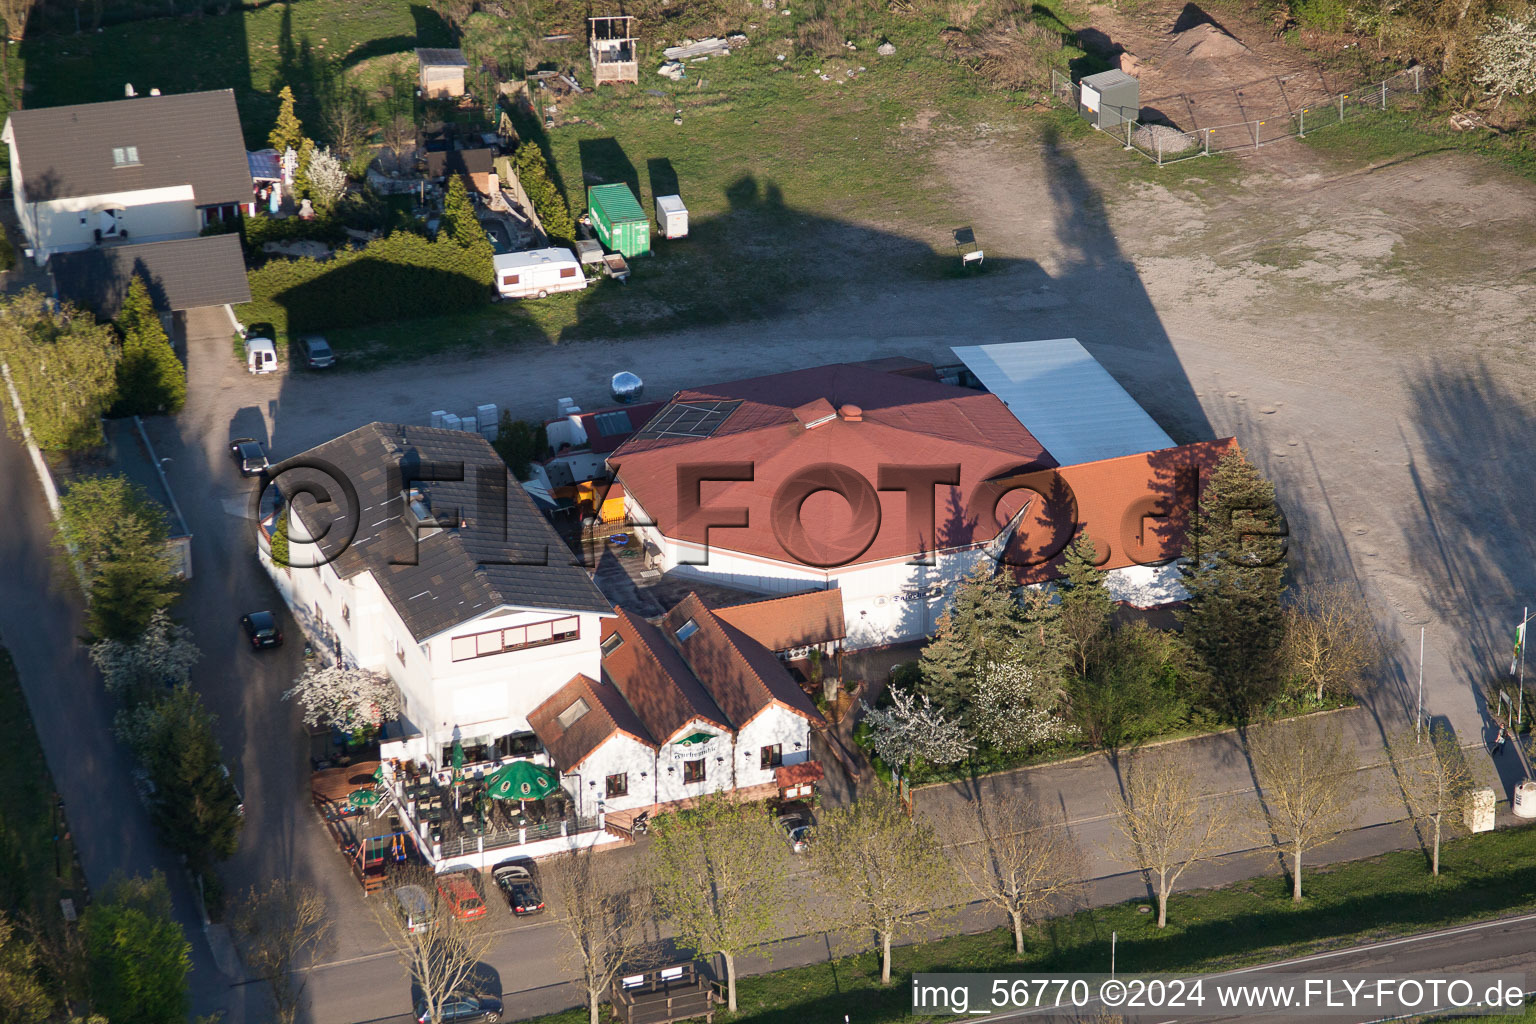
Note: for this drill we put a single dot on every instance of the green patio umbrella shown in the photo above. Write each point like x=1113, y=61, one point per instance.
x=521, y=780
x=458, y=758
x=363, y=798
x=378, y=773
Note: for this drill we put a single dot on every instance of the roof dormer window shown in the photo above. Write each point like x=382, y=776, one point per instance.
x=571, y=715
x=125, y=156
x=687, y=630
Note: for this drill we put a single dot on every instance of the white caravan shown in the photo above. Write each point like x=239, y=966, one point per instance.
x=537, y=273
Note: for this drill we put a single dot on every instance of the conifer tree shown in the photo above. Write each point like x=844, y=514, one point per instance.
x=462, y=227
x=195, y=806
x=288, y=131
x=1235, y=575
x=983, y=625
x=1086, y=604
x=150, y=379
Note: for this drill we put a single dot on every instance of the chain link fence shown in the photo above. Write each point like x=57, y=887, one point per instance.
x=1164, y=143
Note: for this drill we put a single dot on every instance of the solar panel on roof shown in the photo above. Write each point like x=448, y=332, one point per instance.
x=611, y=423
x=689, y=419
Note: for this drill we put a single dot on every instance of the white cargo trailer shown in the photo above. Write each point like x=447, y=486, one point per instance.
x=671, y=216
x=537, y=273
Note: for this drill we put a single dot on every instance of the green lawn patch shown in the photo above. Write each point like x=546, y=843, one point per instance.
x=1208, y=930
x=1379, y=136
x=29, y=856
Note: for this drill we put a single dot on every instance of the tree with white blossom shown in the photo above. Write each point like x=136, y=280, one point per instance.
x=161, y=658
x=345, y=698
x=1012, y=709
x=913, y=729
x=1508, y=51
x=327, y=178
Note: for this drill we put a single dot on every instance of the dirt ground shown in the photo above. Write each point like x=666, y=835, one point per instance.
x=1198, y=70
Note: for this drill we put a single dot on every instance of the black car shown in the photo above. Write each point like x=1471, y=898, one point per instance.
x=516, y=883
x=316, y=352
x=249, y=455
x=462, y=1009
x=261, y=629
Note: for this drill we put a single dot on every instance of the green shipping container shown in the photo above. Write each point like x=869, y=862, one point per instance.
x=618, y=220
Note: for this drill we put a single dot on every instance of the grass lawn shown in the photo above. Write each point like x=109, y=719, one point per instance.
x=1377, y=136
x=28, y=883
x=303, y=43
x=1215, y=929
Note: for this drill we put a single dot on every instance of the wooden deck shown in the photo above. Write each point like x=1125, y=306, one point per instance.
x=661, y=996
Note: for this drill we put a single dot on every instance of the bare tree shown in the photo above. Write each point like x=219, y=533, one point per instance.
x=719, y=876
x=1330, y=637
x=278, y=926
x=880, y=867
x=1165, y=823
x=400, y=137
x=602, y=914
x=1014, y=859
x=348, y=121
x=440, y=950
x=1436, y=781
x=1307, y=781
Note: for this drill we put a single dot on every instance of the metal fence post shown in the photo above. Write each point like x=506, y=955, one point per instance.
x=1302, y=133
x=1342, y=98
x=1159, y=149
x=1207, y=142
x=1255, y=135
x=1416, y=77
x=1383, y=94
x=1128, y=134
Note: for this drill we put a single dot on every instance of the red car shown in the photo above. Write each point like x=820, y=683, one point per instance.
x=460, y=894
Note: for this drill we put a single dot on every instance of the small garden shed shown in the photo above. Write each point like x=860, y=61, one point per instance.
x=442, y=72
x=619, y=221
x=1109, y=99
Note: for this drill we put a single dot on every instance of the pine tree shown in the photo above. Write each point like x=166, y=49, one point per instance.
x=463, y=228
x=1235, y=575
x=288, y=131
x=1086, y=604
x=983, y=625
x=195, y=806
x=150, y=379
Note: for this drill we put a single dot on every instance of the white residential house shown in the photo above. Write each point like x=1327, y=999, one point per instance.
x=684, y=707
x=889, y=486
x=148, y=169
x=457, y=589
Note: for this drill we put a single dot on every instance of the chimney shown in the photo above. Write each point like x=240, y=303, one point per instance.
x=851, y=413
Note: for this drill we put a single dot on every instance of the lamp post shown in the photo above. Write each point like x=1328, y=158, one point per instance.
x=1520, y=640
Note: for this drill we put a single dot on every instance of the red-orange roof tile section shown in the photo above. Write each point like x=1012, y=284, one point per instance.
x=906, y=423
x=799, y=620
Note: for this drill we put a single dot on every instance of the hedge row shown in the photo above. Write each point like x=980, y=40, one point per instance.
x=404, y=276
x=547, y=200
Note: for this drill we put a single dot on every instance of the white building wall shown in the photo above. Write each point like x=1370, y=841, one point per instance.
x=149, y=215
x=621, y=754
x=775, y=724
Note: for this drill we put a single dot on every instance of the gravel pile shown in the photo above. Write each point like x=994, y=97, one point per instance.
x=1173, y=140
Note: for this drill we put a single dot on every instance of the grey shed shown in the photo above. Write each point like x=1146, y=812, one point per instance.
x=1109, y=98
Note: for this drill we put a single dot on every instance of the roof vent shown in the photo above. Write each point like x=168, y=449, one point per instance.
x=154, y=92
x=815, y=413
x=128, y=90
x=851, y=413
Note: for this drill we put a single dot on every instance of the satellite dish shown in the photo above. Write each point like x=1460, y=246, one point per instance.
x=627, y=387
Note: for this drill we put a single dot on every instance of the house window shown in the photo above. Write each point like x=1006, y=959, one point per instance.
x=771, y=756
x=571, y=715
x=693, y=771
x=125, y=156
x=567, y=271
x=497, y=641
x=687, y=630
x=613, y=643
x=618, y=785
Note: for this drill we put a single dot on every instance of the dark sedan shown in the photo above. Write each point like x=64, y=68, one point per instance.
x=516, y=883
x=462, y=1010
x=248, y=455
x=262, y=630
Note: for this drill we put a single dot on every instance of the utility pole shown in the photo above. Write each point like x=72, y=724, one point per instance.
x=1526, y=616
x=1418, y=719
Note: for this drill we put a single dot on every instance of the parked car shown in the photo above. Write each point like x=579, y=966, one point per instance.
x=797, y=829
x=415, y=907
x=262, y=630
x=458, y=889
x=316, y=352
x=249, y=455
x=260, y=354
x=516, y=883
x=462, y=1009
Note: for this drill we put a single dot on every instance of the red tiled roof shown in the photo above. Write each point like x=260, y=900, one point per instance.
x=655, y=679
x=902, y=365
x=607, y=714
x=800, y=620
x=906, y=422
x=1136, y=508
x=798, y=774
x=602, y=443
x=741, y=675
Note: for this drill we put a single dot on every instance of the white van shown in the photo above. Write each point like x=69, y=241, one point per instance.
x=537, y=273
x=260, y=355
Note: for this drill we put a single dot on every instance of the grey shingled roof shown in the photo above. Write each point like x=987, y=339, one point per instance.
x=184, y=274
x=191, y=138
x=452, y=575
x=441, y=58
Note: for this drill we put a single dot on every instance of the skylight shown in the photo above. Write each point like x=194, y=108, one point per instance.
x=125, y=156
x=610, y=424
x=687, y=630
x=571, y=715
x=612, y=644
